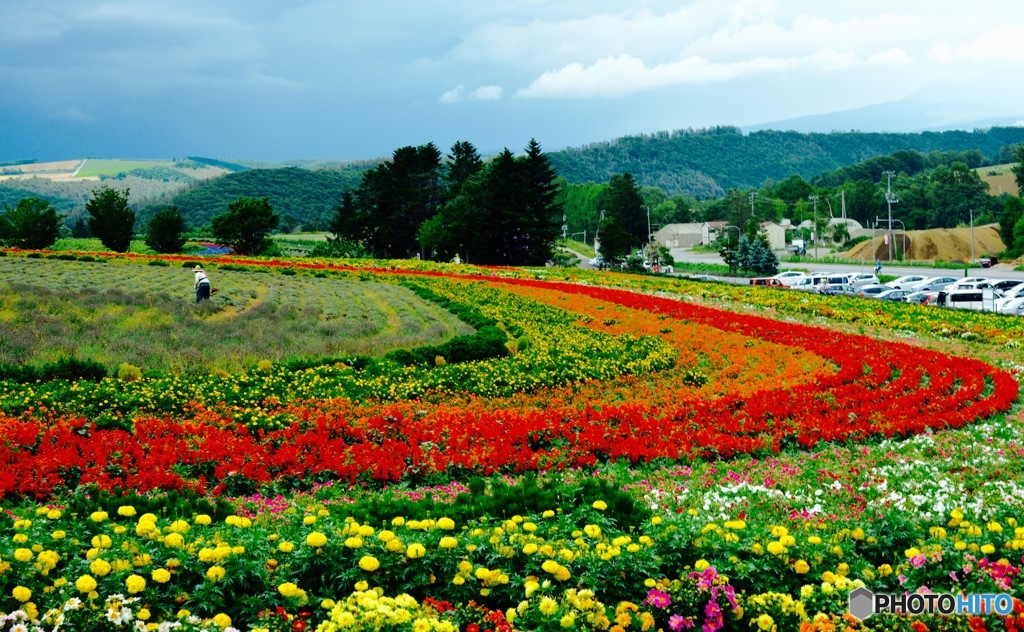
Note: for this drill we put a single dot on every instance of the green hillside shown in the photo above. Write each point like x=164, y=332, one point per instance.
x=706, y=163
x=301, y=193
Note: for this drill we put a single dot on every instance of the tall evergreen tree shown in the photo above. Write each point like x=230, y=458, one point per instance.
x=543, y=214
x=1018, y=169
x=463, y=163
x=110, y=218
x=623, y=206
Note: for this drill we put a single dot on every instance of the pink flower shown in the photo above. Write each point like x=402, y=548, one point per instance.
x=676, y=623
x=658, y=598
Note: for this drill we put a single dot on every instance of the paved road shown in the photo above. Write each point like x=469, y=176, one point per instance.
x=1001, y=271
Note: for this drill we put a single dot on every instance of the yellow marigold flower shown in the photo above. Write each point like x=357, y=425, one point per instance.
x=448, y=542
x=353, y=542
x=222, y=620
x=204, y=519
x=765, y=622
x=126, y=510
x=548, y=514
x=801, y=567
x=174, y=540
x=548, y=606
x=988, y=549
x=21, y=593
x=592, y=531
x=361, y=586
x=99, y=567
x=600, y=505
x=288, y=589
x=814, y=540
x=775, y=547
x=369, y=563
x=85, y=584
x=179, y=526
x=23, y=555
x=135, y=583
x=53, y=514
x=446, y=524
x=316, y=539
x=530, y=548
x=415, y=550
x=397, y=522
x=911, y=552
x=98, y=516
x=215, y=574
x=458, y=580
x=701, y=564
x=58, y=534
x=161, y=575
x=285, y=547
x=20, y=538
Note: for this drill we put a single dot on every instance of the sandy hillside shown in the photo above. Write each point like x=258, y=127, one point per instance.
x=937, y=244
x=62, y=170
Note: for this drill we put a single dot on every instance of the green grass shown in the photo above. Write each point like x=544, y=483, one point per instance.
x=93, y=244
x=578, y=246
x=125, y=311
x=95, y=168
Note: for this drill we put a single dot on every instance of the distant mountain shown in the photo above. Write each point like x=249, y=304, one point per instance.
x=907, y=115
x=707, y=163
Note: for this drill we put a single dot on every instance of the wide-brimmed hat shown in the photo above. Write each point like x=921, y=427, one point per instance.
x=198, y=267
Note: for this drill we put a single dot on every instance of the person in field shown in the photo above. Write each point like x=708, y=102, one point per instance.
x=202, y=284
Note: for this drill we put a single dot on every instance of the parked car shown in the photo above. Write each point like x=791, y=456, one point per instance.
x=980, y=299
x=805, y=284
x=789, y=276
x=971, y=281
x=934, y=284
x=597, y=262
x=767, y=281
x=893, y=295
x=1006, y=285
x=871, y=291
x=839, y=288
x=862, y=279
x=905, y=282
x=988, y=262
x=921, y=298
x=1013, y=306
x=703, y=277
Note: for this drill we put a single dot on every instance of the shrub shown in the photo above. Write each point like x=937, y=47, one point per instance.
x=128, y=372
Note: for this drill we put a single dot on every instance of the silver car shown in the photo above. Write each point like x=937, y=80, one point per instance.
x=934, y=284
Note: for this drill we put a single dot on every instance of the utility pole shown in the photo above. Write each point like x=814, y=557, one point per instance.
x=814, y=198
x=889, y=199
x=972, y=236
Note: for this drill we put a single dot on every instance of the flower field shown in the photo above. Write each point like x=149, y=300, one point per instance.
x=639, y=453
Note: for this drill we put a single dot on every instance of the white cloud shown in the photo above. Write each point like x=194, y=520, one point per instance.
x=487, y=93
x=998, y=44
x=483, y=93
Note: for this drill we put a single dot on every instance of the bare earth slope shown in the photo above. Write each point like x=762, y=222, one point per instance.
x=937, y=244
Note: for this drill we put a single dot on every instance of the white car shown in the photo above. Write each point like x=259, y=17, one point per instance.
x=905, y=282
x=863, y=280
x=872, y=291
x=971, y=281
x=1013, y=306
x=805, y=284
x=789, y=277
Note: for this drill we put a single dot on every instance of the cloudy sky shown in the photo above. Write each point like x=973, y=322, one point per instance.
x=289, y=79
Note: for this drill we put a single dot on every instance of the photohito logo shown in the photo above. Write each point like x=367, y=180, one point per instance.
x=864, y=603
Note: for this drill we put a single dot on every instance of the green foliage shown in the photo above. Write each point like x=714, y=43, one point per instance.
x=110, y=218
x=166, y=231
x=305, y=194
x=70, y=369
x=246, y=225
x=181, y=503
x=708, y=162
x=338, y=248
x=32, y=224
x=498, y=498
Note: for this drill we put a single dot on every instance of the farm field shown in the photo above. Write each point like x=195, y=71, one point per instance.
x=543, y=450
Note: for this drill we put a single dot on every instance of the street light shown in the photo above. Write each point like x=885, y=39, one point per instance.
x=889, y=199
x=814, y=198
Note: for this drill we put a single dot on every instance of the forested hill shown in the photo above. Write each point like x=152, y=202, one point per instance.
x=302, y=193
x=706, y=163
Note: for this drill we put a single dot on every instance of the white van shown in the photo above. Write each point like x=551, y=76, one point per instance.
x=980, y=299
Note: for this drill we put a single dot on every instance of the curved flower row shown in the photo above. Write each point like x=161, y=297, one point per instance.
x=877, y=388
